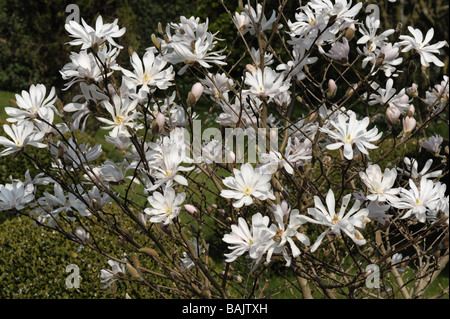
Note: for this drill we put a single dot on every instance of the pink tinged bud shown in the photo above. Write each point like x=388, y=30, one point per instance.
x=158, y=123
x=191, y=210
x=409, y=123
x=332, y=88
x=250, y=68
x=197, y=90
x=195, y=93
x=411, y=110
x=392, y=115
x=231, y=156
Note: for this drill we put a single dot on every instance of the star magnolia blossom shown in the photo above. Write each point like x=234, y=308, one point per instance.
x=149, y=73
x=243, y=239
x=165, y=207
x=123, y=115
x=16, y=195
x=351, y=134
x=419, y=200
x=21, y=135
x=380, y=184
x=33, y=104
x=89, y=37
x=265, y=84
x=421, y=46
x=246, y=184
x=337, y=222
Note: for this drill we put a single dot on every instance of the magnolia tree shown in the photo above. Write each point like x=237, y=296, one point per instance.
x=317, y=154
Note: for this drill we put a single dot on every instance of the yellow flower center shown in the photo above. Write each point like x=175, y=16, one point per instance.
x=118, y=119
x=247, y=191
x=348, y=139
x=146, y=78
x=335, y=220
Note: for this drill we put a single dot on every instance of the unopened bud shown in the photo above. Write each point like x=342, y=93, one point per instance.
x=149, y=251
x=379, y=60
x=250, y=68
x=332, y=88
x=142, y=218
x=412, y=91
x=195, y=93
x=349, y=34
x=237, y=278
x=160, y=28
x=411, y=110
x=133, y=271
x=351, y=90
x=191, y=210
x=158, y=123
x=393, y=115
x=156, y=42
x=409, y=123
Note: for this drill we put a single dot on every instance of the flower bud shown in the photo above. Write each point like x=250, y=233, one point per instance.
x=195, y=93
x=350, y=32
x=332, y=88
x=191, y=210
x=393, y=115
x=158, y=123
x=156, y=43
x=142, y=218
x=409, y=123
x=411, y=110
x=412, y=91
x=250, y=68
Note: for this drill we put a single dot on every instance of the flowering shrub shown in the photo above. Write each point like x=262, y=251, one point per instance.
x=319, y=113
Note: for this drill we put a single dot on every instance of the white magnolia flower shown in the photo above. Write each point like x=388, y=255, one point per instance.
x=339, y=51
x=421, y=46
x=341, y=221
x=243, y=239
x=165, y=207
x=123, y=115
x=370, y=33
x=438, y=97
x=33, y=104
x=148, y=73
x=419, y=200
x=21, y=136
x=255, y=17
x=267, y=83
x=352, y=135
x=377, y=212
x=16, y=195
x=246, y=184
x=432, y=144
x=389, y=96
x=91, y=94
x=59, y=202
x=89, y=37
x=108, y=276
x=83, y=66
x=380, y=184
x=285, y=230
x=411, y=170
x=293, y=155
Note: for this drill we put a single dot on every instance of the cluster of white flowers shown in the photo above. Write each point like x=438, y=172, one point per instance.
x=145, y=120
